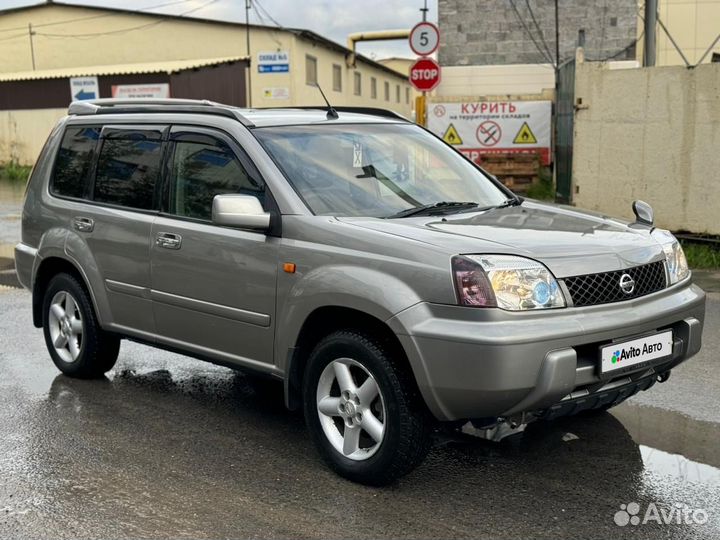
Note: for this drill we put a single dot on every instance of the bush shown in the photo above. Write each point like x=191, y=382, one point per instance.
x=543, y=190
x=14, y=172
x=701, y=255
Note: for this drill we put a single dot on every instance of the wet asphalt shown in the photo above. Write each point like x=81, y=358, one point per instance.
x=170, y=447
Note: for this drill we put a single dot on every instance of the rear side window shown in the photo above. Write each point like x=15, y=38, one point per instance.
x=73, y=161
x=127, y=171
x=201, y=170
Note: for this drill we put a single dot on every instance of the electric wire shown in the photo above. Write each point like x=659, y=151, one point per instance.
x=537, y=26
x=125, y=30
x=92, y=17
x=530, y=35
x=260, y=8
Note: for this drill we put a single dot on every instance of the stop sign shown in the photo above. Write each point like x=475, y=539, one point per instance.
x=425, y=74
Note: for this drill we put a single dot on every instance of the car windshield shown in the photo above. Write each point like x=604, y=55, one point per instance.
x=376, y=170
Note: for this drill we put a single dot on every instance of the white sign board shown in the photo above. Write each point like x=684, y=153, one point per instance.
x=84, y=88
x=273, y=62
x=494, y=127
x=280, y=92
x=424, y=38
x=139, y=91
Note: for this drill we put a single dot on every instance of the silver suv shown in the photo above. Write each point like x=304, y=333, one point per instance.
x=386, y=280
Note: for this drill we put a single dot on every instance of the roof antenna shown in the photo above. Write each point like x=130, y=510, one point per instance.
x=331, y=113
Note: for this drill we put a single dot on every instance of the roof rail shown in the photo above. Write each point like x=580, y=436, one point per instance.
x=376, y=111
x=152, y=105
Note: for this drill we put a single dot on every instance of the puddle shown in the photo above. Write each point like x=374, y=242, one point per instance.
x=672, y=433
x=678, y=468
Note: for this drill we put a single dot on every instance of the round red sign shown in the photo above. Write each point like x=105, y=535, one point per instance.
x=425, y=74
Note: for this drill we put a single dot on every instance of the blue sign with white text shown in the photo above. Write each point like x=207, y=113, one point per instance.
x=273, y=62
x=274, y=68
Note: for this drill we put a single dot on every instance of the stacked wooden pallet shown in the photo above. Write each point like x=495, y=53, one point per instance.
x=517, y=171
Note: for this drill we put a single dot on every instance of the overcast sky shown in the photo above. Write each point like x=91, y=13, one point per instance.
x=334, y=19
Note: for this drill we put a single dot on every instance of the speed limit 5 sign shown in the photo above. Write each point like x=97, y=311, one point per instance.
x=424, y=38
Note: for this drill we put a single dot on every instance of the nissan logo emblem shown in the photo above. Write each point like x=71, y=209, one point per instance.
x=627, y=284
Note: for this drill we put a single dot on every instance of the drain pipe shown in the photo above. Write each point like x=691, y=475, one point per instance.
x=377, y=35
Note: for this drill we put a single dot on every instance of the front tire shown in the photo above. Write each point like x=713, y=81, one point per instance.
x=363, y=411
x=77, y=345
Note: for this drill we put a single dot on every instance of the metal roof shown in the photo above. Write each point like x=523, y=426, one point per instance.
x=168, y=66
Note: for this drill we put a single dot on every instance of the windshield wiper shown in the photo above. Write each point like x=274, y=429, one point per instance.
x=442, y=207
x=514, y=201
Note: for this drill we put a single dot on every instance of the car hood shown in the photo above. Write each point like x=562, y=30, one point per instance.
x=569, y=242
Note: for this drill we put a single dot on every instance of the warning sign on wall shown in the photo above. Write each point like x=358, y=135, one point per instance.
x=492, y=127
x=451, y=135
x=525, y=135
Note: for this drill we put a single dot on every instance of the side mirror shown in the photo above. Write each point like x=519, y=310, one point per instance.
x=643, y=213
x=242, y=211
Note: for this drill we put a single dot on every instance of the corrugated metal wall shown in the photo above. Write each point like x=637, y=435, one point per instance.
x=223, y=83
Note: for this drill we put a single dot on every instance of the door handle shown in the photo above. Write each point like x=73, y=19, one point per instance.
x=168, y=240
x=83, y=224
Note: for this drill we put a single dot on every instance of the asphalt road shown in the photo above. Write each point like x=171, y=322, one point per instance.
x=169, y=447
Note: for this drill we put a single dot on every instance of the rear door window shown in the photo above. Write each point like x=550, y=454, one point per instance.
x=74, y=160
x=128, y=168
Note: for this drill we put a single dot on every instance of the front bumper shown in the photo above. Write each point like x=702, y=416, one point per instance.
x=481, y=363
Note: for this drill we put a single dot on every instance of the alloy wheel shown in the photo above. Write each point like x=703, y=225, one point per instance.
x=351, y=409
x=66, y=326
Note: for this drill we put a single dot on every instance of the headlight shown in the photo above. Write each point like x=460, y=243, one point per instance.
x=505, y=281
x=674, y=255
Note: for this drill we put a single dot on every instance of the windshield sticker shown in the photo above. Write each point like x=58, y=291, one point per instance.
x=357, y=155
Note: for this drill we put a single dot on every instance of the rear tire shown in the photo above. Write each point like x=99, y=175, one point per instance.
x=77, y=345
x=363, y=411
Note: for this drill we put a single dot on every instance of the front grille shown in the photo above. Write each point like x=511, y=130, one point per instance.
x=604, y=288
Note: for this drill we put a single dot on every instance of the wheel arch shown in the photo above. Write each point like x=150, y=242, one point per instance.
x=323, y=321
x=48, y=268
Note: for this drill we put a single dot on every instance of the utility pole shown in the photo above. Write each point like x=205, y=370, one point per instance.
x=557, y=98
x=420, y=101
x=31, y=33
x=557, y=37
x=650, y=25
x=247, y=40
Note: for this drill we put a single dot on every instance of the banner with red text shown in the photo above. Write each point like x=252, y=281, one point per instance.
x=493, y=127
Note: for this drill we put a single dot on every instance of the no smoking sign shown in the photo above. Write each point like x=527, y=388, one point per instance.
x=488, y=133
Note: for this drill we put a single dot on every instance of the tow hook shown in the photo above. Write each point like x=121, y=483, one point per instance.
x=664, y=376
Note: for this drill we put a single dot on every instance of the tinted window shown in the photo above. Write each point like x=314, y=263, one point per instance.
x=127, y=172
x=358, y=84
x=199, y=172
x=73, y=161
x=310, y=70
x=337, y=78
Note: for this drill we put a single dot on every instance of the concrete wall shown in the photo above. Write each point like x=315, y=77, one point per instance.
x=93, y=37
x=496, y=80
x=490, y=32
x=23, y=133
x=650, y=134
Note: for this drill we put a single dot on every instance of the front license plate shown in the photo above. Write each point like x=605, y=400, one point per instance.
x=626, y=354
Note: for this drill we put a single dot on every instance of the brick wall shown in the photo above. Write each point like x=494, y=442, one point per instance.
x=487, y=32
